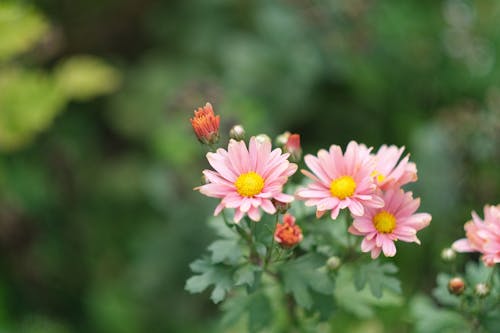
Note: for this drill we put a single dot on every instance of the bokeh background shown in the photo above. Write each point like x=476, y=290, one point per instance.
x=98, y=220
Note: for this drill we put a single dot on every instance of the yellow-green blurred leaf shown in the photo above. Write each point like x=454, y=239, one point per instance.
x=20, y=28
x=29, y=101
x=84, y=77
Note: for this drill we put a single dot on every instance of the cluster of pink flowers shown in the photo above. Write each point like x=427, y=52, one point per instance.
x=482, y=236
x=369, y=185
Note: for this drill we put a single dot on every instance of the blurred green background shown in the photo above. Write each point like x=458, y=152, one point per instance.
x=98, y=220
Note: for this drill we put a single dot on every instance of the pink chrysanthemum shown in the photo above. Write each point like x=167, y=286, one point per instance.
x=248, y=179
x=341, y=181
x=482, y=236
x=388, y=172
x=395, y=221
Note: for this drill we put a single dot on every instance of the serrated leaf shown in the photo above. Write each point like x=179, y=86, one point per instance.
x=246, y=275
x=225, y=250
x=305, y=273
x=218, y=275
x=441, y=292
x=359, y=302
x=378, y=278
x=431, y=319
x=256, y=306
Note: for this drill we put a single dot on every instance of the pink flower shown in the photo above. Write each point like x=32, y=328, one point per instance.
x=482, y=236
x=396, y=221
x=341, y=181
x=388, y=172
x=288, y=234
x=248, y=179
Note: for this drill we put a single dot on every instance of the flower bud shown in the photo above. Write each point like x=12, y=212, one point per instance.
x=282, y=139
x=456, y=286
x=281, y=207
x=482, y=289
x=333, y=263
x=237, y=133
x=448, y=254
x=261, y=138
x=288, y=234
x=206, y=125
x=293, y=147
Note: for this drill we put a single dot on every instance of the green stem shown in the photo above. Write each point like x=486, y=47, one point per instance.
x=254, y=255
x=270, y=252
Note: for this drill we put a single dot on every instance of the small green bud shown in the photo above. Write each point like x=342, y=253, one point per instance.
x=333, y=263
x=237, y=133
x=482, y=289
x=448, y=254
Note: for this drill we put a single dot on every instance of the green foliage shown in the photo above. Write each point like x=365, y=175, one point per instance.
x=361, y=303
x=430, y=319
x=29, y=101
x=255, y=308
x=378, y=278
x=306, y=274
x=84, y=77
x=21, y=27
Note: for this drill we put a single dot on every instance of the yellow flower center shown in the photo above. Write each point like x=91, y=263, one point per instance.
x=343, y=187
x=249, y=184
x=378, y=176
x=384, y=222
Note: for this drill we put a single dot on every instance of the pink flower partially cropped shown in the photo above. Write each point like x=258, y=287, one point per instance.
x=482, y=236
x=388, y=172
x=396, y=221
x=246, y=179
x=340, y=181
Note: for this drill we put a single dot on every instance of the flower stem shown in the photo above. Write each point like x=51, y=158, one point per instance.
x=270, y=252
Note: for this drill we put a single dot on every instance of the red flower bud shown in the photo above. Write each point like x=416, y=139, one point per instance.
x=456, y=286
x=206, y=124
x=293, y=147
x=288, y=234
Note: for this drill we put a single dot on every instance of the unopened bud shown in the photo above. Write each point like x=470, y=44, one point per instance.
x=333, y=263
x=288, y=234
x=448, y=254
x=206, y=125
x=482, y=289
x=261, y=138
x=281, y=207
x=237, y=133
x=293, y=147
x=282, y=139
x=456, y=286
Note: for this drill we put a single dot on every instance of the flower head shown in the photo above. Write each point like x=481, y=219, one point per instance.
x=397, y=220
x=482, y=236
x=340, y=181
x=206, y=124
x=288, y=234
x=248, y=179
x=388, y=172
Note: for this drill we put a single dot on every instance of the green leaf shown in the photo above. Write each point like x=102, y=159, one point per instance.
x=21, y=27
x=305, y=273
x=441, y=292
x=431, y=319
x=256, y=307
x=29, y=101
x=360, y=302
x=84, y=77
x=246, y=275
x=218, y=275
x=378, y=278
x=225, y=250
